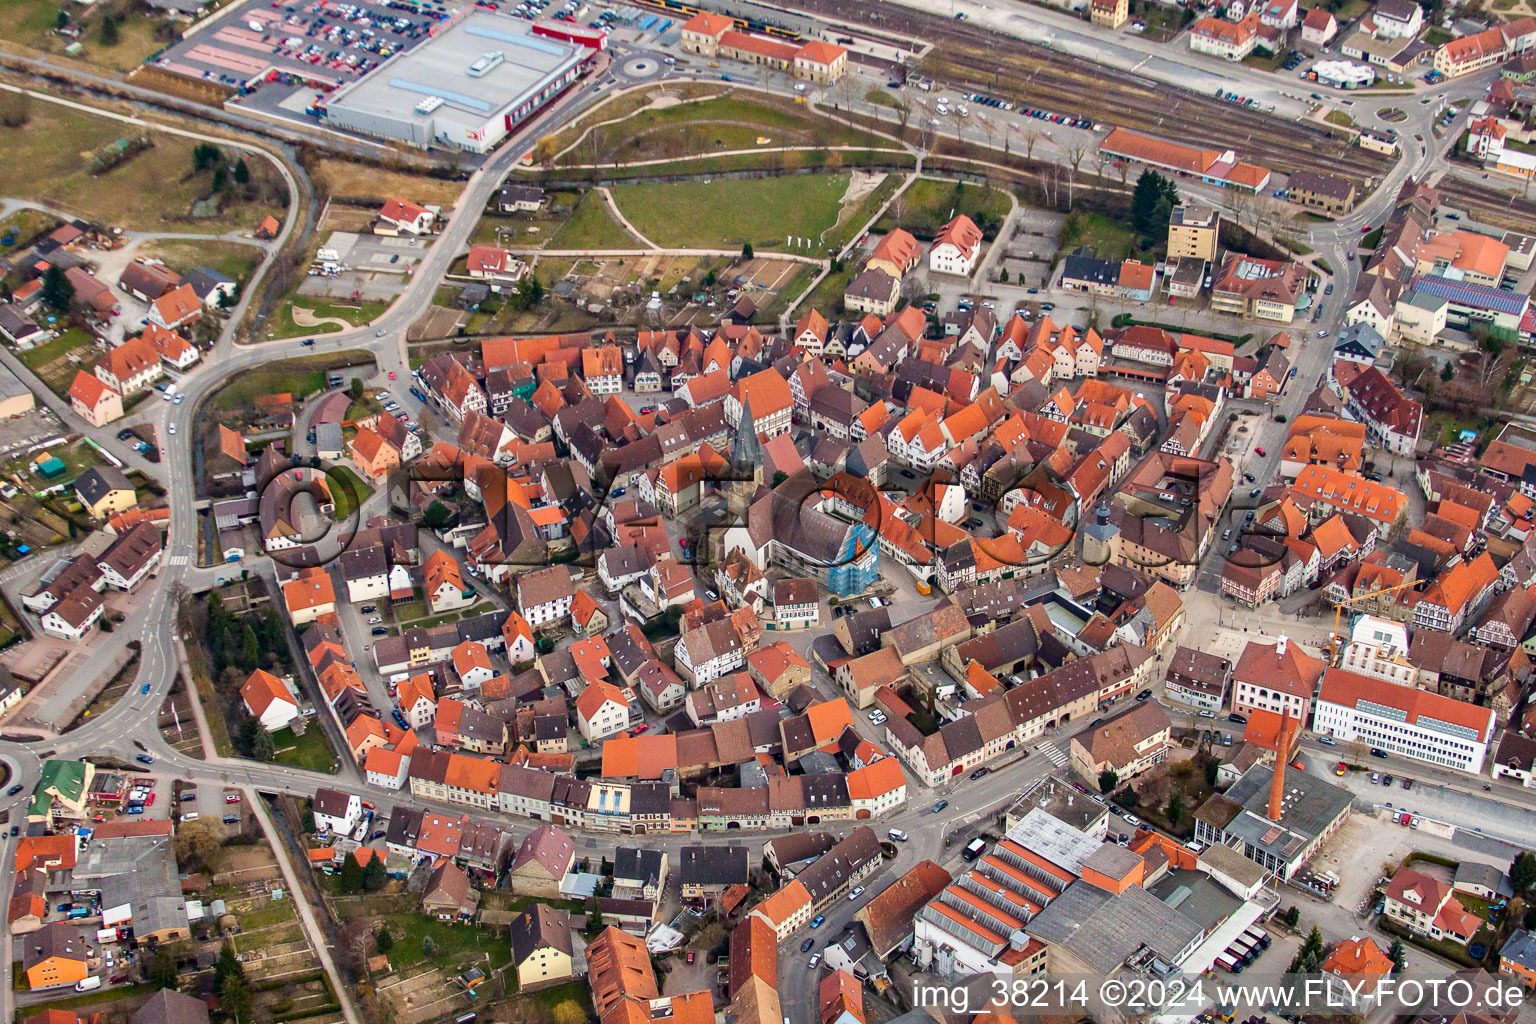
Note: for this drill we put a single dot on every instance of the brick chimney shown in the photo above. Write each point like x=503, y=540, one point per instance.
x=1283, y=741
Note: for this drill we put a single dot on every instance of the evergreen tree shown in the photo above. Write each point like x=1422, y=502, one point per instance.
x=262, y=748
x=246, y=739
x=1108, y=780
x=373, y=875
x=437, y=515
x=351, y=875
x=235, y=997
x=1397, y=955
x=108, y=34
x=250, y=649
x=1144, y=200
x=356, y=388
x=162, y=969
x=242, y=172
x=746, y=250
x=1175, y=810
x=1522, y=872
x=57, y=291
x=227, y=966
x=204, y=156
x=384, y=940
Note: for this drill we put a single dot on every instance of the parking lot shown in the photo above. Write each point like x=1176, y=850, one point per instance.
x=372, y=266
x=315, y=45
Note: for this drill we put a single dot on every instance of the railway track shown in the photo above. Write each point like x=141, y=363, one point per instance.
x=1040, y=77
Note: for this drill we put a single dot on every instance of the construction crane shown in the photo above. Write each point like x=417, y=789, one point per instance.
x=1338, y=610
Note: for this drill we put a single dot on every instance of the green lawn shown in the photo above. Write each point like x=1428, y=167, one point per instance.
x=274, y=379
x=231, y=259
x=283, y=326
x=347, y=503
x=455, y=943
x=929, y=204
x=880, y=98
x=49, y=360
x=30, y=23
x=714, y=125
x=1109, y=238
x=22, y=226
x=855, y=218
x=312, y=750
x=724, y=213
x=152, y=191
x=591, y=226
x=1340, y=118
x=266, y=917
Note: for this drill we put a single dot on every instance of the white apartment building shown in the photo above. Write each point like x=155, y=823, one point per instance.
x=1402, y=720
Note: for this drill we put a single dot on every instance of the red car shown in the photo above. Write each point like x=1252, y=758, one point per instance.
x=231, y=798
x=391, y=374
x=367, y=805
x=690, y=956
x=1260, y=452
x=642, y=727
x=151, y=801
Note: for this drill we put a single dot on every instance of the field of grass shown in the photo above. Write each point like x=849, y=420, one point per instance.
x=347, y=502
x=231, y=259
x=724, y=213
x=22, y=226
x=152, y=191
x=312, y=750
x=1340, y=118
x=283, y=326
x=623, y=106
x=827, y=299
x=49, y=360
x=361, y=181
x=713, y=125
x=295, y=376
x=591, y=226
x=930, y=204
x=30, y=23
x=454, y=944
x=1109, y=238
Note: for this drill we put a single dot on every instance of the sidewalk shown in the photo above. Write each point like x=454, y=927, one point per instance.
x=312, y=930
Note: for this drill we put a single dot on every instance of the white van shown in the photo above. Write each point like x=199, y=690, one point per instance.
x=897, y=835
x=88, y=984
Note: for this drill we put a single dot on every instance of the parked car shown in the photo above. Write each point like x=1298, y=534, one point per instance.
x=818, y=920
x=145, y=759
x=805, y=947
x=940, y=806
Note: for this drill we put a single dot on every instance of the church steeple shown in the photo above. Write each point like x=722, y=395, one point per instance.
x=746, y=449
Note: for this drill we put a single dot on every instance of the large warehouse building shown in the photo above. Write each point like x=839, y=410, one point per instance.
x=479, y=77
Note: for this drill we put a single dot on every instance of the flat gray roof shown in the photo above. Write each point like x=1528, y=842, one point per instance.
x=461, y=78
x=11, y=385
x=1105, y=930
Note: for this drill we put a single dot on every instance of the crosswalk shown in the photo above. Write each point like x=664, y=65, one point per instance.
x=1054, y=754
x=179, y=560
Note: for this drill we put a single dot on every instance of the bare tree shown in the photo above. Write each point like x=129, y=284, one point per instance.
x=903, y=114
x=1031, y=136
x=1075, y=154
